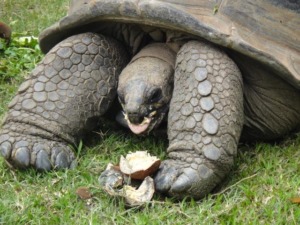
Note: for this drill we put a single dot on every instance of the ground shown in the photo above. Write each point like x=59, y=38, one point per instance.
x=259, y=190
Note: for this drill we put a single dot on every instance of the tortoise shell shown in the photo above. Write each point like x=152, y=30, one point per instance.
x=266, y=31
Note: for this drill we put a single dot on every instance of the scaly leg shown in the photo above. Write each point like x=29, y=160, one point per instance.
x=73, y=85
x=204, y=124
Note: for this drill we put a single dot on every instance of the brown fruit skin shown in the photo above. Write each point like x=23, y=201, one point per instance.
x=141, y=174
x=5, y=32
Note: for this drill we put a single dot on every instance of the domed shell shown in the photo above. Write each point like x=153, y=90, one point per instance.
x=267, y=31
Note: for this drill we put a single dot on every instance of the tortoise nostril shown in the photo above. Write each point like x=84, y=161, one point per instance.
x=135, y=118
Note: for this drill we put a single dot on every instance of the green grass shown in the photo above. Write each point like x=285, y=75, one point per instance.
x=264, y=179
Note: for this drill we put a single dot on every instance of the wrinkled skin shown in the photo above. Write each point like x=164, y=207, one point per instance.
x=209, y=103
x=145, y=88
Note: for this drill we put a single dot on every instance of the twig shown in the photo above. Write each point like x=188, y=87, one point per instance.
x=12, y=169
x=240, y=181
x=184, y=214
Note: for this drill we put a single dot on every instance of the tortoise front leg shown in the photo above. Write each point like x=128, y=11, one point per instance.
x=205, y=121
x=73, y=85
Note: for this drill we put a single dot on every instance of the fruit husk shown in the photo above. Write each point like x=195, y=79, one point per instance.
x=112, y=178
x=123, y=180
x=139, y=165
x=140, y=196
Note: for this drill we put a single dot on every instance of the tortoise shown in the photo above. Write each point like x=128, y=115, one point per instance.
x=5, y=32
x=218, y=71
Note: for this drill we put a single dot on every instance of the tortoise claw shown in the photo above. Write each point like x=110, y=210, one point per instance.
x=21, y=157
x=165, y=177
x=43, y=161
x=24, y=151
x=179, y=179
x=175, y=180
x=5, y=149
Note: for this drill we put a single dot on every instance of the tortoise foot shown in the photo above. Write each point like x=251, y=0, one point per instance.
x=25, y=150
x=182, y=178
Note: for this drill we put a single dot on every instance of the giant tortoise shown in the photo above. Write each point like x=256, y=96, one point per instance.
x=218, y=71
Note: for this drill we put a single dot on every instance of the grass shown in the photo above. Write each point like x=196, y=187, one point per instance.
x=264, y=179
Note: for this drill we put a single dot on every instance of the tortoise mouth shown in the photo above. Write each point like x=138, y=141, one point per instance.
x=139, y=128
x=151, y=121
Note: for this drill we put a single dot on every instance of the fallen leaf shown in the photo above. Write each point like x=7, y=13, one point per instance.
x=295, y=200
x=84, y=193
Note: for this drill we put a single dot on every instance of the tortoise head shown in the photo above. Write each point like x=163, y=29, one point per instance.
x=145, y=88
x=5, y=32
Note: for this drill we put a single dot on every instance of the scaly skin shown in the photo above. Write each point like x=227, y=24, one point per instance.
x=73, y=85
x=205, y=121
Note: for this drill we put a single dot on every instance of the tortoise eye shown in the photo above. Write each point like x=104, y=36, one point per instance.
x=155, y=95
